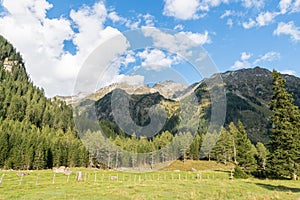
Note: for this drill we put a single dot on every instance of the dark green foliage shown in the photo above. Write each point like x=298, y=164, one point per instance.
x=35, y=132
x=24, y=146
x=284, y=158
x=248, y=92
x=195, y=147
x=240, y=173
x=245, y=150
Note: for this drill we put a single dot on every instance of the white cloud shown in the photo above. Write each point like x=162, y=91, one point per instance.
x=113, y=16
x=288, y=29
x=132, y=80
x=264, y=19
x=229, y=23
x=41, y=40
x=240, y=64
x=269, y=57
x=245, y=56
x=178, y=27
x=156, y=59
x=245, y=62
x=181, y=9
x=227, y=13
x=187, y=10
x=296, y=6
x=149, y=20
x=285, y=5
x=289, y=72
x=251, y=23
x=198, y=38
x=180, y=42
x=253, y=3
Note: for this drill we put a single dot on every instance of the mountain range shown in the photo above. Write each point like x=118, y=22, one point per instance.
x=248, y=93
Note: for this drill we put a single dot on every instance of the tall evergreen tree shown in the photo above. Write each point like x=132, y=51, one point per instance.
x=245, y=150
x=261, y=156
x=284, y=157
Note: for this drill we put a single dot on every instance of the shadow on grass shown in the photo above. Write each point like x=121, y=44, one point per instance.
x=278, y=188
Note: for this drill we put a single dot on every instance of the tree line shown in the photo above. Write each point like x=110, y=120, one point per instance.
x=280, y=158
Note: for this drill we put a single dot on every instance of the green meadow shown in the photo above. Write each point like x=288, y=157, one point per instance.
x=164, y=184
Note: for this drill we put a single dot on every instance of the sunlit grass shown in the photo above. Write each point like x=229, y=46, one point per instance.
x=96, y=184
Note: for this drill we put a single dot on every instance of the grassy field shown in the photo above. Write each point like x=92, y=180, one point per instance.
x=97, y=184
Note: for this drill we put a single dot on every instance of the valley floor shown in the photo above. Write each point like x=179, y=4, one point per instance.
x=100, y=184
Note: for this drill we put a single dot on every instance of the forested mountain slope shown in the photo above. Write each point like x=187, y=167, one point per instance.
x=35, y=132
x=248, y=93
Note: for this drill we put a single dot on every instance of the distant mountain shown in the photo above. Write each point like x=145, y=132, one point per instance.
x=168, y=89
x=248, y=93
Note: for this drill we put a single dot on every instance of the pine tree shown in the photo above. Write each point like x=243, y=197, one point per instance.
x=195, y=147
x=284, y=157
x=223, y=150
x=261, y=155
x=245, y=150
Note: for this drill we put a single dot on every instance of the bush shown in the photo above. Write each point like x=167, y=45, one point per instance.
x=239, y=173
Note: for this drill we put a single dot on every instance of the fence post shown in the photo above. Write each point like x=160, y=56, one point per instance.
x=37, y=179
x=53, y=180
x=1, y=180
x=68, y=178
x=21, y=179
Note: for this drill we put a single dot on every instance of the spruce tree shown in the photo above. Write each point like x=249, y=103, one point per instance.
x=284, y=158
x=245, y=152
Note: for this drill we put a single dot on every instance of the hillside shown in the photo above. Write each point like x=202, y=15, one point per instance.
x=248, y=92
x=35, y=132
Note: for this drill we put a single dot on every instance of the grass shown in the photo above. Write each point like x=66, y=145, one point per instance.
x=152, y=185
x=198, y=165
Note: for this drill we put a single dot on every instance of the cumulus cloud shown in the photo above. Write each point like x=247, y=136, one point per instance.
x=180, y=42
x=181, y=9
x=288, y=29
x=296, y=6
x=157, y=60
x=227, y=13
x=285, y=5
x=289, y=72
x=243, y=62
x=245, y=56
x=253, y=3
x=251, y=23
x=240, y=64
x=269, y=57
x=178, y=27
x=245, y=59
x=187, y=10
x=41, y=40
x=263, y=19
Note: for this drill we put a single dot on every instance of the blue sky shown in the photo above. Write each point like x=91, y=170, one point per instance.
x=55, y=37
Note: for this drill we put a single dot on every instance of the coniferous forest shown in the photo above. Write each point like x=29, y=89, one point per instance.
x=39, y=133
x=35, y=132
